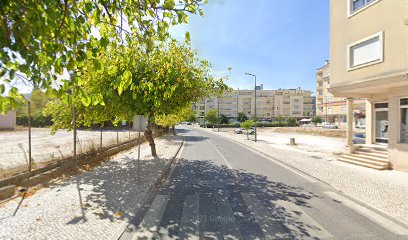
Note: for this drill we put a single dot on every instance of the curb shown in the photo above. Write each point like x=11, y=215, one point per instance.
x=307, y=175
x=150, y=192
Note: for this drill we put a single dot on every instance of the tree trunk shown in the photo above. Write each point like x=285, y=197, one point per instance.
x=149, y=135
x=173, y=129
x=247, y=135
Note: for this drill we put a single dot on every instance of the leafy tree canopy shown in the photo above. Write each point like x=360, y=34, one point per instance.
x=242, y=117
x=168, y=120
x=130, y=81
x=211, y=116
x=247, y=124
x=316, y=119
x=41, y=39
x=223, y=119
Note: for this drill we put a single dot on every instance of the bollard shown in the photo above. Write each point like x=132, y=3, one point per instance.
x=292, y=141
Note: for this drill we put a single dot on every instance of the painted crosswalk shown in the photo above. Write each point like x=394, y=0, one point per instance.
x=277, y=218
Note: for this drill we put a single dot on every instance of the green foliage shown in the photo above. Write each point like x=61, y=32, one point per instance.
x=291, y=122
x=223, y=119
x=38, y=101
x=247, y=124
x=192, y=118
x=316, y=119
x=211, y=116
x=279, y=118
x=175, y=118
x=39, y=39
x=242, y=117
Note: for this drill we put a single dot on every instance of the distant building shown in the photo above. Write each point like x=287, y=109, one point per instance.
x=330, y=108
x=8, y=121
x=270, y=104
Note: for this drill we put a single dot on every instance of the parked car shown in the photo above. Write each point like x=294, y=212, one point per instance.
x=188, y=123
x=359, y=138
x=243, y=130
x=330, y=126
x=239, y=130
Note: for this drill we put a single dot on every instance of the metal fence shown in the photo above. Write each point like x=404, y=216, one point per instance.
x=28, y=148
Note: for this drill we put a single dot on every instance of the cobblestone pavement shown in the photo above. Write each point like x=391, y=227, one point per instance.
x=386, y=191
x=47, y=147
x=91, y=205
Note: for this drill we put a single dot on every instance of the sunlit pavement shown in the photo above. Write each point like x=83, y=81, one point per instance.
x=220, y=190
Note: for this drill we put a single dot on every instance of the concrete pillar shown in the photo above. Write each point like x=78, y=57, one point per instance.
x=349, y=135
x=369, y=121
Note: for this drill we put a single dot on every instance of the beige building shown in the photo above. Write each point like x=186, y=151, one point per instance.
x=270, y=104
x=333, y=109
x=369, y=59
x=8, y=121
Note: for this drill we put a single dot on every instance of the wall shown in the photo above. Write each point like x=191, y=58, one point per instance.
x=385, y=15
x=8, y=121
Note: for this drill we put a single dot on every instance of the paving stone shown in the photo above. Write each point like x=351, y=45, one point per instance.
x=91, y=205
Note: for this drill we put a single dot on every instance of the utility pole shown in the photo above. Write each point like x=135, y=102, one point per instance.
x=255, y=103
x=218, y=112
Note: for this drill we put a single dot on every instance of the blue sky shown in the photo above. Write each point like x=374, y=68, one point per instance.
x=282, y=42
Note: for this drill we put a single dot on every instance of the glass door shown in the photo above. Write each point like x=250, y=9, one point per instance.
x=381, y=122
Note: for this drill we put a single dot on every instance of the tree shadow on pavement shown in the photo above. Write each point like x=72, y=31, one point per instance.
x=253, y=198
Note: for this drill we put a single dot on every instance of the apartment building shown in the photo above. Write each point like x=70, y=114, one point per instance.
x=369, y=59
x=330, y=108
x=270, y=104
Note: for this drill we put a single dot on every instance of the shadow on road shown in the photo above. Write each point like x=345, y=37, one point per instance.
x=252, y=198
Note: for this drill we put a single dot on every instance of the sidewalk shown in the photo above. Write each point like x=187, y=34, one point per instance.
x=91, y=205
x=386, y=191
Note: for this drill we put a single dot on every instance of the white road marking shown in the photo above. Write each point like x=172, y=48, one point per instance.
x=189, y=224
x=229, y=225
x=223, y=158
x=308, y=224
x=149, y=226
x=310, y=179
x=373, y=216
x=267, y=221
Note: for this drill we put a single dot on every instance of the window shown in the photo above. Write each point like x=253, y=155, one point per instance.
x=356, y=6
x=404, y=120
x=366, y=52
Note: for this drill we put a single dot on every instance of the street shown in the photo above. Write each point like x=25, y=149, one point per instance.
x=221, y=190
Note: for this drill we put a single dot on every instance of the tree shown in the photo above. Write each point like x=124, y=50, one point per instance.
x=223, y=119
x=41, y=39
x=279, y=118
x=290, y=121
x=170, y=120
x=316, y=119
x=132, y=81
x=212, y=116
x=242, y=117
x=247, y=125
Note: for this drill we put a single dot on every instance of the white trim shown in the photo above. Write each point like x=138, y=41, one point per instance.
x=380, y=36
x=375, y=122
x=350, y=12
x=399, y=119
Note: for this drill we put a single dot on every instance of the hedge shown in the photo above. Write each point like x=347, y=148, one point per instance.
x=258, y=124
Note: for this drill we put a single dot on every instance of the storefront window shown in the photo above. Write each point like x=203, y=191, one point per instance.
x=404, y=120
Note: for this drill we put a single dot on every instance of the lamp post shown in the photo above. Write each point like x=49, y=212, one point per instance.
x=218, y=113
x=253, y=75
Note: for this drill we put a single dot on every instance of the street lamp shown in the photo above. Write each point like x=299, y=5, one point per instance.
x=253, y=75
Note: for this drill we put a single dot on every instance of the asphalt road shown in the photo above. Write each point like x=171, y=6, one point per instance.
x=221, y=190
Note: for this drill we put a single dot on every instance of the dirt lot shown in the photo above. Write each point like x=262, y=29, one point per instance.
x=46, y=147
x=317, y=131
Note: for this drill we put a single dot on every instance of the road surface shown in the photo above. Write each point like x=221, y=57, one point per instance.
x=221, y=190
